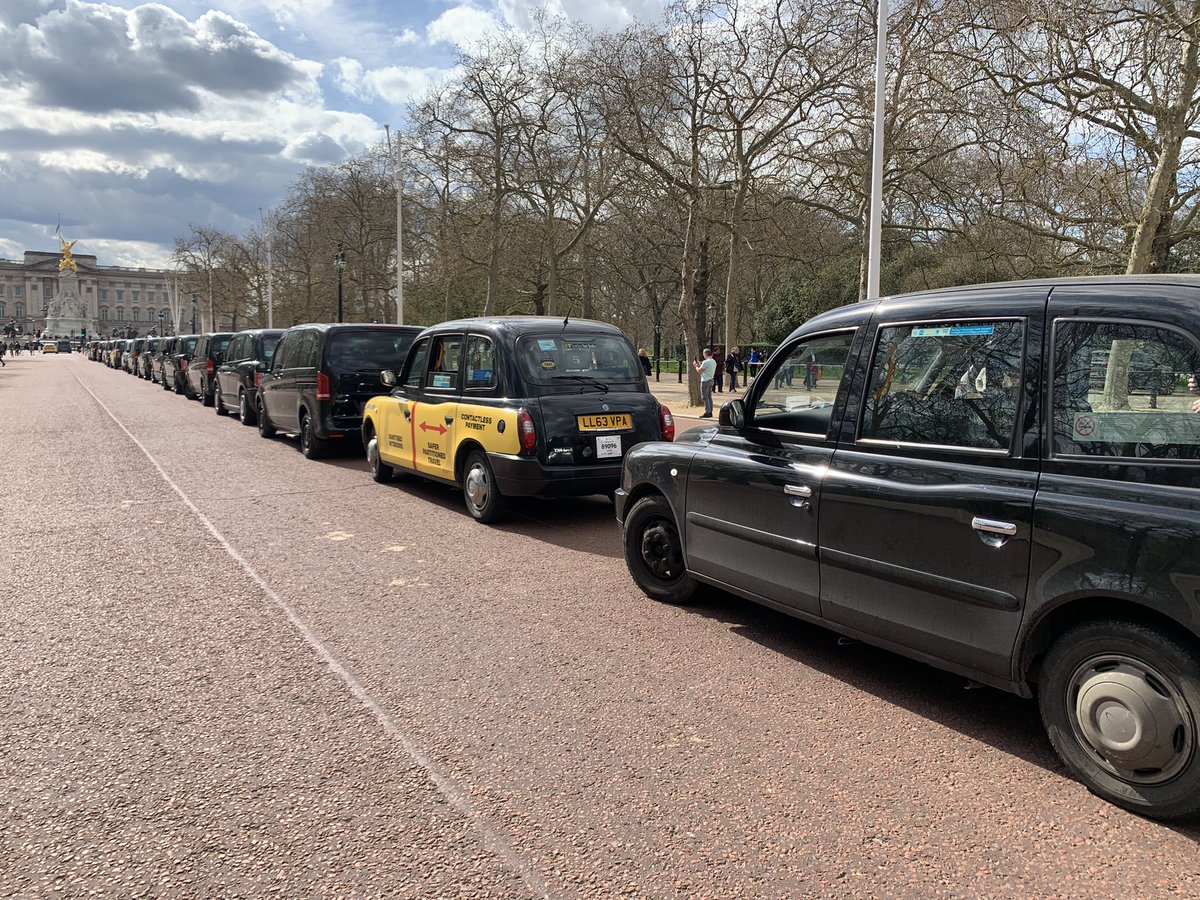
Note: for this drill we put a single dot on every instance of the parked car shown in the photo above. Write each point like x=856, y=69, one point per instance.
x=247, y=358
x=202, y=367
x=148, y=362
x=322, y=376
x=115, y=352
x=965, y=495
x=133, y=356
x=176, y=359
x=515, y=407
x=50, y=347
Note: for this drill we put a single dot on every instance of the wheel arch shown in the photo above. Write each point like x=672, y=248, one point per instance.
x=368, y=430
x=464, y=450
x=1078, y=610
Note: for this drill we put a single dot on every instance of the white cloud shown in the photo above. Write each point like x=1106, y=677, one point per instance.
x=395, y=85
x=462, y=26
x=407, y=37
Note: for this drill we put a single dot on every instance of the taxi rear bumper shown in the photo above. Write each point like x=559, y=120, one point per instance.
x=523, y=476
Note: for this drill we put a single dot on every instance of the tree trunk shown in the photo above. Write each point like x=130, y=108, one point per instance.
x=1172, y=129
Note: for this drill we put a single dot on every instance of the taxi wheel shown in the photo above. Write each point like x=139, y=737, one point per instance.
x=380, y=470
x=310, y=445
x=218, y=402
x=1121, y=704
x=484, y=500
x=654, y=553
x=245, y=410
x=265, y=428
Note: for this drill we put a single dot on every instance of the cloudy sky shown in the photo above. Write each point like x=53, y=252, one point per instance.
x=135, y=120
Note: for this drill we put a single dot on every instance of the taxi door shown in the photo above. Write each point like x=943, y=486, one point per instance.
x=433, y=414
x=393, y=418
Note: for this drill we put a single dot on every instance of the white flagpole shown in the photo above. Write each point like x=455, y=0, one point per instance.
x=875, y=241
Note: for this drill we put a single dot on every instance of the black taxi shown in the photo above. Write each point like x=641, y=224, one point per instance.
x=983, y=478
x=514, y=407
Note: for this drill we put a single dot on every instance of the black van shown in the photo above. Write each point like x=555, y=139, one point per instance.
x=321, y=377
x=175, y=362
x=246, y=360
x=202, y=367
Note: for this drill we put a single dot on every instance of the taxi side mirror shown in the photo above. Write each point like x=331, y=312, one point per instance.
x=733, y=414
x=388, y=377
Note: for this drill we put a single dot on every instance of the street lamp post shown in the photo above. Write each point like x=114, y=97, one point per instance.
x=162, y=322
x=339, y=263
x=194, y=300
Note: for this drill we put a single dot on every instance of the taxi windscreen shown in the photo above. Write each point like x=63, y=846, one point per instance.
x=567, y=360
x=269, y=343
x=368, y=351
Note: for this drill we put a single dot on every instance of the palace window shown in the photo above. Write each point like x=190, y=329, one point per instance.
x=104, y=314
x=120, y=312
x=103, y=293
x=137, y=314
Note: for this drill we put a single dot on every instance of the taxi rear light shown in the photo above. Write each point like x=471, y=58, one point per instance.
x=209, y=368
x=526, y=431
x=323, y=392
x=257, y=377
x=183, y=365
x=667, y=422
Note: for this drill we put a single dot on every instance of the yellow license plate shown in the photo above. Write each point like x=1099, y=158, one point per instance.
x=606, y=422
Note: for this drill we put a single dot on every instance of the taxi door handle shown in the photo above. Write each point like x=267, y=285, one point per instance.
x=797, y=490
x=992, y=526
x=408, y=414
x=449, y=420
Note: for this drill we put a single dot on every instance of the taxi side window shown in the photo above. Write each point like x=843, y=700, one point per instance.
x=801, y=384
x=480, y=373
x=414, y=370
x=949, y=384
x=1125, y=390
x=445, y=357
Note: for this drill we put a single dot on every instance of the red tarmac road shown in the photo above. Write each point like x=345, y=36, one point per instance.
x=230, y=671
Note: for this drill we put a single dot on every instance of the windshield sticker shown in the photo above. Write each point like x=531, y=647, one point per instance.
x=579, y=345
x=953, y=330
x=480, y=375
x=441, y=381
x=545, y=344
x=549, y=364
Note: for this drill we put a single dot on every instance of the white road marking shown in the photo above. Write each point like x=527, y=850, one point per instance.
x=456, y=795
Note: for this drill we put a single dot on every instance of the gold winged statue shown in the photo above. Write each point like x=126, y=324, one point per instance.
x=67, y=261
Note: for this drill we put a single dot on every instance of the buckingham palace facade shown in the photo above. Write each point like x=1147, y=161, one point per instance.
x=119, y=301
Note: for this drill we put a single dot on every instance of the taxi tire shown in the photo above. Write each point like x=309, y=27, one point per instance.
x=484, y=501
x=1133, y=668
x=310, y=445
x=380, y=470
x=218, y=403
x=246, y=413
x=654, y=553
x=265, y=428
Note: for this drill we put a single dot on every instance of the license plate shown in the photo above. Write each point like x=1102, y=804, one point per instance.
x=608, y=446
x=605, y=422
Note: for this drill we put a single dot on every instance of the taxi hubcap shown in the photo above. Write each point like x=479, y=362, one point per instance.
x=660, y=550
x=1133, y=720
x=477, y=487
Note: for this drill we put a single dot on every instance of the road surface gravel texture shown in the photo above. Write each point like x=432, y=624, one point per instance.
x=230, y=671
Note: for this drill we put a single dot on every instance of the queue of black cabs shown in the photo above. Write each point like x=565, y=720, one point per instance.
x=1000, y=480
x=514, y=407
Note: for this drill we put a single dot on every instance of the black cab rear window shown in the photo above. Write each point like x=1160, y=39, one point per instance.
x=566, y=359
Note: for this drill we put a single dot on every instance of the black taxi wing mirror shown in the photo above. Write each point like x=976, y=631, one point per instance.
x=388, y=377
x=733, y=414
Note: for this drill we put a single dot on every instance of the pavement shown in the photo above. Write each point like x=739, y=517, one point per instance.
x=229, y=671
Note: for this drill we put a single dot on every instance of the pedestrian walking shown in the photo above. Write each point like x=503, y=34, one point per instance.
x=755, y=361
x=644, y=359
x=719, y=377
x=3, y=347
x=708, y=371
x=733, y=365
